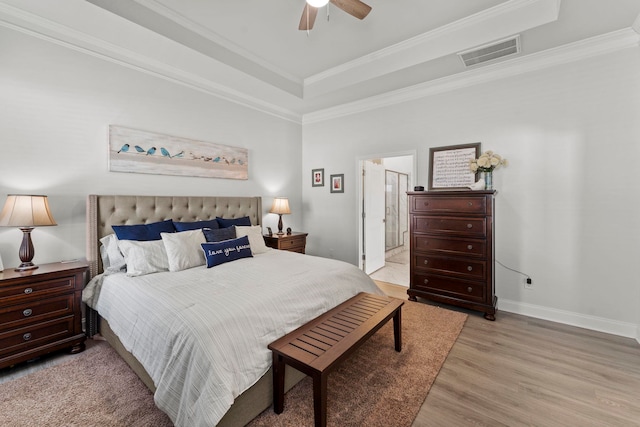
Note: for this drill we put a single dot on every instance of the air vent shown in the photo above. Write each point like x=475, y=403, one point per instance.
x=490, y=52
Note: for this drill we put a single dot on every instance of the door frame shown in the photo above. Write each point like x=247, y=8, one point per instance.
x=361, y=195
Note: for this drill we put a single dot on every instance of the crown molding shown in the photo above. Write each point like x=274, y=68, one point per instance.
x=48, y=30
x=595, y=46
x=520, y=14
x=216, y=38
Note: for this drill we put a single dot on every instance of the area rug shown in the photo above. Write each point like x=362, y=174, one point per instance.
x=376, y=386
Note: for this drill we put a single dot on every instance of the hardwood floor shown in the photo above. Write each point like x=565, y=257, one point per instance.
x=521, y=371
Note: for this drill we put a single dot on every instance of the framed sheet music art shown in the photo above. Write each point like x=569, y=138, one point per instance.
x=449, y=166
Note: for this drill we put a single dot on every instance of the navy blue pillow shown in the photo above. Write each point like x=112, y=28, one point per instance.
x=196, y=225
x=226, y=251
x=219, y=234
x=144, y=232
x=242, y=221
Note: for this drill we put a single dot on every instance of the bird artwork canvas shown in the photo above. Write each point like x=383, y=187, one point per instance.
x=138, y=151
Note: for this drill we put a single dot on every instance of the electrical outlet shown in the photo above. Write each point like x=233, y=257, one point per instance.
x=528, y=283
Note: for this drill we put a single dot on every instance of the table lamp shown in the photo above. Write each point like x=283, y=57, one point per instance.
x=280, y=206
x=26, y=212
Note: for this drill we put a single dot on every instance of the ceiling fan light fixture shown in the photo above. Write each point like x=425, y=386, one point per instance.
x=317, y=3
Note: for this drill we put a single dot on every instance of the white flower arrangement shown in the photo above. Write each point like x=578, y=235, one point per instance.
x=487, y=162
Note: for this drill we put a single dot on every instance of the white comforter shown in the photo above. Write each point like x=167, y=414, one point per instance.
x=202, y=334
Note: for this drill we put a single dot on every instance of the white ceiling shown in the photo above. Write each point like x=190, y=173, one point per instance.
x=252, y=51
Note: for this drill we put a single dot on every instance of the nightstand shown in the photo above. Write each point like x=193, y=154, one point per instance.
x=40, y=311
x=294, y=242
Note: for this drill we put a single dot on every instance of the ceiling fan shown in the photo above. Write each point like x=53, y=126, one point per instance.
x=352, y=7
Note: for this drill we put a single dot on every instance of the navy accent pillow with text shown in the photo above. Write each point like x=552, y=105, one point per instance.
x=228, y=250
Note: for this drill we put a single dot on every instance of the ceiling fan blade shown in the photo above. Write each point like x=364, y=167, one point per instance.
x=353, y=7
x=308, y=17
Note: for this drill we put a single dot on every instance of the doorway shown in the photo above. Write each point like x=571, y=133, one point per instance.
x=384, y=219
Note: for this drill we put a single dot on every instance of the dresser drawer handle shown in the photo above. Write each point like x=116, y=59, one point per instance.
x=426, y=261
x=426, y=281
x=470, y=203
x=469, y=247
x=27, y=312
x=469, y=225
x=26, y=336
x=469, y=268
x=469, y=289
x=28, y=290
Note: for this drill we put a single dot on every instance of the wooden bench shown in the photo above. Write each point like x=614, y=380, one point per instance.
x=319, y=346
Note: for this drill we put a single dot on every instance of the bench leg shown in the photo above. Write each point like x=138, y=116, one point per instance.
x=320, y=400
x=278, y=383
x=397, y=329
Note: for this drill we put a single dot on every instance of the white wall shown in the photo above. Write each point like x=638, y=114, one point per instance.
x=567, y=214
x=56, y=106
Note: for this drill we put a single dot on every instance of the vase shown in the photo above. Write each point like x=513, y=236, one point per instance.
x=488, y=180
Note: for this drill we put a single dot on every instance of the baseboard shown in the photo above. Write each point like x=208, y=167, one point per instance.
x=594, y=323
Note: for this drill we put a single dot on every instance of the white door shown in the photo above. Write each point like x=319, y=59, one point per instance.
x=373, y=193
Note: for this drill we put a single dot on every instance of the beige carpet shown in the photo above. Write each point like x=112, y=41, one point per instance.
x=375, y=387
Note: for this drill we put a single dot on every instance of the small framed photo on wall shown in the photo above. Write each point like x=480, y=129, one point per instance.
x=317, y=177
x=337, y=183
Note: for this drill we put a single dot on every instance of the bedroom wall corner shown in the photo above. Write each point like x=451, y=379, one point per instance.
x=58, y=103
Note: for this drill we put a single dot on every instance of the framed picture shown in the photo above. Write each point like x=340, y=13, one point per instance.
x=138, y=151
x=337, y=183
x=317, y=177
x=449, y=166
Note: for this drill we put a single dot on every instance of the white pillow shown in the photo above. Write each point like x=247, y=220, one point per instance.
x=144, y=257
x=256, y=241
x=111, y=256
x=183, y=249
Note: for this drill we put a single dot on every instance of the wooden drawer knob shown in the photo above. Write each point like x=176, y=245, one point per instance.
x=469, y=289
x=426, y=261
x=426, y=281
x=27, y=312
x=26, y=336
x=469, y=247
x=28, y=290
x=470, y=203
x=469, y=268
x=469, y=225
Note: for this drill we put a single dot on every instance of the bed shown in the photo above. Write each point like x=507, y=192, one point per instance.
x=267, y=295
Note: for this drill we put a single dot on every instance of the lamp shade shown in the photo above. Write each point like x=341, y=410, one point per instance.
x=22, y=210
x=280, y=206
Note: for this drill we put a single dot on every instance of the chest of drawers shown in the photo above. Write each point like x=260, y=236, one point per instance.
x=40, y=311
x=452, y=248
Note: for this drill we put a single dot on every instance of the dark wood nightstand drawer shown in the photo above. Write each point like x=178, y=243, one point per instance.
x=35, y=335
x=18, y=315
x=36, y=289
x=440, y=204
x=294, y=242
x=450, y=245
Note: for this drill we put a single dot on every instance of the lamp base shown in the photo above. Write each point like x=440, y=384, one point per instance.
x=280, y=233
x=25, y=266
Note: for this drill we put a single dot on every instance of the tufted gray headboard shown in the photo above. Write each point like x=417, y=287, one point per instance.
x=103, y=211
